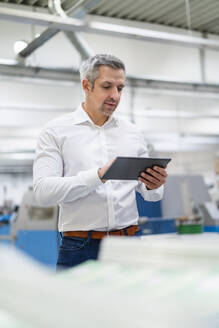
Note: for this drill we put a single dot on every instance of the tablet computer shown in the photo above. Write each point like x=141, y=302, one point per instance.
x=129, y=168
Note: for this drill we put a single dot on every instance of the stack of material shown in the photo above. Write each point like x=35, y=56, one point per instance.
x=181, y=276
x=162, y=283
x=170, y=251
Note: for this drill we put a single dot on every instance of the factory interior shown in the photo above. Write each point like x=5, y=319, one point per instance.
x=168, y=276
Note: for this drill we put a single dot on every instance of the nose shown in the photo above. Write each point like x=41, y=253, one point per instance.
x=114, y=94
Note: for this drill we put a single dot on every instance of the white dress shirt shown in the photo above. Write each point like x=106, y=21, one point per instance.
x=69, y=153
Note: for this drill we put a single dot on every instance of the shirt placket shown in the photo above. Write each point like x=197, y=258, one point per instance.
x=108, y=186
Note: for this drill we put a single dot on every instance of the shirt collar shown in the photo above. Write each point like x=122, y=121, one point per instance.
x=80, y=116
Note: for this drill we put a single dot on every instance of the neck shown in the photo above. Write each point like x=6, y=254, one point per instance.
x=98, y=119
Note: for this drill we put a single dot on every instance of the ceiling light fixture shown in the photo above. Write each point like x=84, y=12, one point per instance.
x=19, y=45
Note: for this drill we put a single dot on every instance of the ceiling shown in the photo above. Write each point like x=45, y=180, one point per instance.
x=204, y=13
x=197, y=15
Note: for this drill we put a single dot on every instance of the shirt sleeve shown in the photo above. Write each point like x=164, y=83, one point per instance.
x=149, y=195
x=49, y=184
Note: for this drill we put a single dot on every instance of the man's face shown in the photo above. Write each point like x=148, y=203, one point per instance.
x=107, y=90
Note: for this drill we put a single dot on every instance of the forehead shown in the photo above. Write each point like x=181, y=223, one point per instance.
x=110, y=74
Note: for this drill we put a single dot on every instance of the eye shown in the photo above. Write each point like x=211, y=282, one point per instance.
x=119, y=89
x=106, y=87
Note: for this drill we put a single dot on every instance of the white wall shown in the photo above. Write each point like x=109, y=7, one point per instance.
x=39, y=103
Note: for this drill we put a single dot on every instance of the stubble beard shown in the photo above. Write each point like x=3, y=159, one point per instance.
x=108, y=111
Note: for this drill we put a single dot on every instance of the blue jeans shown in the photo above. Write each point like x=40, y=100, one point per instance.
x=76, y=250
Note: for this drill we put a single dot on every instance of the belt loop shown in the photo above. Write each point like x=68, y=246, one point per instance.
x=89, y=236
x=125, y=231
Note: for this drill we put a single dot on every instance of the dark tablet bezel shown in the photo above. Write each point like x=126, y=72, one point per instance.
x=129, y=168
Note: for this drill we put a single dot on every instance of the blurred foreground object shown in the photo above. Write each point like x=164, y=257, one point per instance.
x=151, y=282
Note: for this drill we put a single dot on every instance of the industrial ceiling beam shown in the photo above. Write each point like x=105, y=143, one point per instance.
x=155, y=83
x=76, y=25
x=80, y=44
x=79, y=10
x=15, y=69
x=38, y=42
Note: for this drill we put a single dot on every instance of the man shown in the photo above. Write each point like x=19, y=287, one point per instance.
x=72, y=155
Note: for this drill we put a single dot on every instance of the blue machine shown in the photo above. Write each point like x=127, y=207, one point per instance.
x=150, y=226
x=5, y=218
x=151, y=221
x=34, y=230
x=5, y=233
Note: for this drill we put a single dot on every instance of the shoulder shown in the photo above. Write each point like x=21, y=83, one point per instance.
x=52, y=128
x=64, y=120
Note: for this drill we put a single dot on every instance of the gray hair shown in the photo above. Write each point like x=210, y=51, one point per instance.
x=90, y=68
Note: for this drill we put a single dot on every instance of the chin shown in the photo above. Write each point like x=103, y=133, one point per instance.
x=108, y=112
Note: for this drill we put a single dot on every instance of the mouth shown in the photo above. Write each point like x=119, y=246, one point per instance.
x=110, y=104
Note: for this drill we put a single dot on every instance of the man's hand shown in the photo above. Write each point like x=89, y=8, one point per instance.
x=156, y=177
x=103, y=169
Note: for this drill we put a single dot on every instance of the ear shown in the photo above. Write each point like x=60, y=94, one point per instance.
x=86, y=85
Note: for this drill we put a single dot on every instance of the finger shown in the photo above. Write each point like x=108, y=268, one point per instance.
x=148, y=184
x=110, y=163
x=150, y=178
x=160, y=170
x=112, y=160
x=155, y=174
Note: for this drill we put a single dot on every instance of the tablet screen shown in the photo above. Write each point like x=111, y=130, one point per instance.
x=129, y=168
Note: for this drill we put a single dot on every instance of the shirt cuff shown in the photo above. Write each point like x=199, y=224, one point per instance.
x=91, y=178
x=153, y=195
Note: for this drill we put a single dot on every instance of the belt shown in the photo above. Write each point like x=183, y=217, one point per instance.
x=129, y=231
